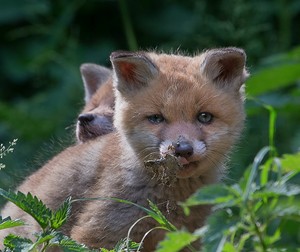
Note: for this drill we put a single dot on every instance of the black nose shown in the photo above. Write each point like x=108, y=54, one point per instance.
x=85, y=118
x=183, y=149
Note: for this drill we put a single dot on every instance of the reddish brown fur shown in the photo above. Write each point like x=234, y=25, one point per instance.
x=178, y=88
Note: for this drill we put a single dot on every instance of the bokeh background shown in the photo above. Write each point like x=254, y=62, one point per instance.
x=43, y=43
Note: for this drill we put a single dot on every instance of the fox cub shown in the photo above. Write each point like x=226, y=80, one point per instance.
x=96, y=119
x=185, y=113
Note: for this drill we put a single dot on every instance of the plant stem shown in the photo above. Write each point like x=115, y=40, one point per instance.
x=272, y=128
x=256, y=228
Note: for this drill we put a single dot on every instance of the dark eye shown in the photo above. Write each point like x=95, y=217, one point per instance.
x=205, y=117
x=156, y=119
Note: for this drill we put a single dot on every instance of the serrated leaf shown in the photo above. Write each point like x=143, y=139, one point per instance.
x=175, y=241
x=214, y=194
x=29, y=204
x=124, y=245
x=60, y=216
x=66, y=243
x=287, y=208
x=220, y=224
x=273, y=189
x=17, y=244
x=9, y=223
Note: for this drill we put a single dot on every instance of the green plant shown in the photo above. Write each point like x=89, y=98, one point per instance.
x=5, y=150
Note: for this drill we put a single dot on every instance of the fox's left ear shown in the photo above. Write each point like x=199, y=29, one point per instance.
x=132, y=70
x=225, y=67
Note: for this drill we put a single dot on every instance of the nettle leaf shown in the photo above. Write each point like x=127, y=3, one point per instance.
x=175, y=241
x=9, y=223
x=287, y=208
x=31, y=205
x=215, y=194
x=66, y=243
x=60, y=216
x=276, y=189
x=17, y=243
x=124, y=245
x=220, y=225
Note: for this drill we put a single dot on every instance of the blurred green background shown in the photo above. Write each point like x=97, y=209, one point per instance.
x=43, y=43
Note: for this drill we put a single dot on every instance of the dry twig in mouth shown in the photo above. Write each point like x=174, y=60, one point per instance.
x=164, y=169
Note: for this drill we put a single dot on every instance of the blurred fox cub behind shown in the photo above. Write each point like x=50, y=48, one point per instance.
x=96, y=119
x=186, y=108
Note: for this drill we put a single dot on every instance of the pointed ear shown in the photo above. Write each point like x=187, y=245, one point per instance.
x=132, y=70
x=93, y=77
x=225, y=67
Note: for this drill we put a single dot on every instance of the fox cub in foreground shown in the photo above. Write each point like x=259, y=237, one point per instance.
x=167, y=107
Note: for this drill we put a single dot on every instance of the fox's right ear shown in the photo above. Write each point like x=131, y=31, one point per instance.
x=132, y=70
x=225, y=67
x=93, y=77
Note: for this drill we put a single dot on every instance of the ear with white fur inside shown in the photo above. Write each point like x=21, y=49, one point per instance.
x=225, y=67
x=132, y=70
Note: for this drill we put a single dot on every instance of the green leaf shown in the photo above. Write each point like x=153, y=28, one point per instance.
x=66, y=243
x=59, y=217
x=291, y=162
x=175, y=241
x=220, y=225
x=9, y=223
x=273, y=78
x=229, y=247
x=285, y=208
x=213, y=194
x=160, y=218
x=124, y=245
x=31, y=205
x=273, y=189
x=17, y=244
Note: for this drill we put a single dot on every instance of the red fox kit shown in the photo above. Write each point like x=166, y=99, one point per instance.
x=96, y=119
x=189, y=108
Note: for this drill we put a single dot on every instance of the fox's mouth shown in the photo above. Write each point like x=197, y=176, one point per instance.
x=170, y=168
x=186, y=168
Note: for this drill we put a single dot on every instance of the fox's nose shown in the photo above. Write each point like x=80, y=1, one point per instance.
x=183, y=149
x=85, y=118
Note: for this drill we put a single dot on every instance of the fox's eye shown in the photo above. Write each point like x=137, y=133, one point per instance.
x=205, y=117
x=156, y=119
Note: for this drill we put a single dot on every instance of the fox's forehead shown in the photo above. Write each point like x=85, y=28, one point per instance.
x=179, y=98
x=177, y=63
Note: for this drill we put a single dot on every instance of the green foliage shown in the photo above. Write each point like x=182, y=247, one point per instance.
x=281, y=72
x=48, y=220
x=37, y=209
x=177, y=240
x=252, y=215
x=9, y=223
